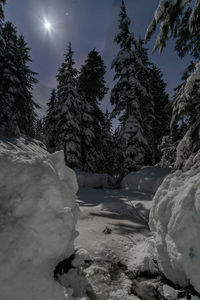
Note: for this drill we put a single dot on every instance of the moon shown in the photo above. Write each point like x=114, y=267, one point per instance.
x=47, y=25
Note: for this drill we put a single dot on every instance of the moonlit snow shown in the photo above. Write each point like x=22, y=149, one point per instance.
x=175, y=223
x=38, y=214
x=146, y=180
x=37, y=220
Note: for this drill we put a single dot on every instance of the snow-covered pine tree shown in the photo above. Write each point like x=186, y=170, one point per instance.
x=186, y=105
x=168, y=150
x=50, y=123
x=92, y=89
x=9, y=83
x=39, y=130
x=2, y=47
x=2, y=2
x=181, y=20
x=68, y=111
x=17, y=107
x=117, y=152
x=178, y=19
x=162, y=111
x=145, y=99
x=187, y=40
x=26, y=116
x=107, y=145
x=126, y=93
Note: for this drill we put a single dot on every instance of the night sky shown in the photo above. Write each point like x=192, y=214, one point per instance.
x=88, y=24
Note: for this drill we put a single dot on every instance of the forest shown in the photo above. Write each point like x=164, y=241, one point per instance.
x=102, y=202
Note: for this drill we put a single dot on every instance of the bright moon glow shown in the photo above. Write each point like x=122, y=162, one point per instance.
x=47, y=25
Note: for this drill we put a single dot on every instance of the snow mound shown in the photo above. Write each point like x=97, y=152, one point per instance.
x=93, y=180
x=37, y=220
x=146, y=180
x=175, y=223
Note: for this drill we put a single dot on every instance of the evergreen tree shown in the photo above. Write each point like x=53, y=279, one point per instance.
x=186, y=107
x=9, y=83
x=2, y=42
x=117, y=166
x=145, y=99
x=50, y=123
x=39, y=130
x=162, y=112
x=107, y=145
x=182, y=19
x=17, y=113
x=126, y=93
x=24, y=101
x=2, y=2
x=168, y=150
x=67, y=111
x=92, y=89
x=187, y=40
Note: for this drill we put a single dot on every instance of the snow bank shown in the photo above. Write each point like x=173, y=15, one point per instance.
x=37, y=220
x=175, y=223
x=93, y=180
x=146, y=180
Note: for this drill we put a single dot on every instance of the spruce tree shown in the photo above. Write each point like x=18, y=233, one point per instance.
x=50, y=123
x=2, y=2
x=168, y=149
x=187, y=40
x=117, y=167
x=186, y=106
x=68, y=110
x=39, y=130
x=162, y=111
x=24, y=101
x=2, y=48
x=182, y=20
x=17, y=113
x=107, y=145
x=9, y=83
x=126, y=93
x=145, y=99
x=2, y=42
x=92, y=89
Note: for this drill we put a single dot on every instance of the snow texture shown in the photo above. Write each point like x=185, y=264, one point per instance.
x=146, y=180
x=37, y=220
x=175, y=224
x=81, y=257
x=93, y=180
x=23, y=144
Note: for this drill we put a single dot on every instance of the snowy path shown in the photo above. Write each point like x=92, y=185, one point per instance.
x=126, y=214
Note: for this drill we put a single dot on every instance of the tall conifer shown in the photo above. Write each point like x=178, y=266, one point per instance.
x=68, y=110
x=92, y=89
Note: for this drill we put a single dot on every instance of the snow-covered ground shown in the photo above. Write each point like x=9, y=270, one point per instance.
x=113, y=228
x=115, y=251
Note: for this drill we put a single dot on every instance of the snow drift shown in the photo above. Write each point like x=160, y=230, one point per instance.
x=37, y=220
x=146, y=180
x=93, y=180
x=175, y=223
